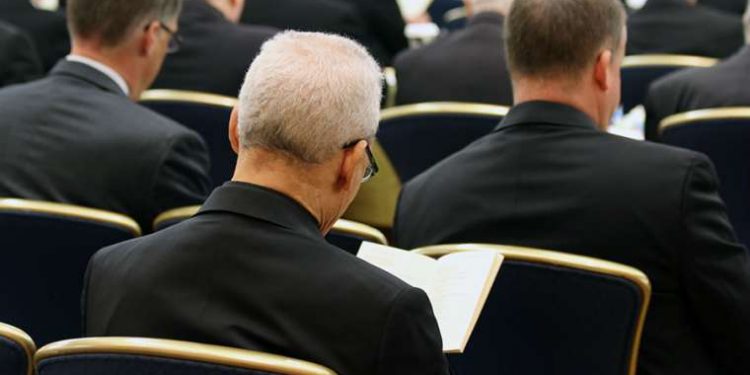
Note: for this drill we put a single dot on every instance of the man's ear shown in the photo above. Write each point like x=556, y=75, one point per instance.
x=350, y=170
x=149, y=38
x=234, y=136
x=603, y=69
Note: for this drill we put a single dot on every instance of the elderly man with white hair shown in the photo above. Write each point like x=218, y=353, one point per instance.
x=467, y=65
x=252, y=269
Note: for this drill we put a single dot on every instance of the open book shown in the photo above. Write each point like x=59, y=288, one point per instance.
x=457, y=284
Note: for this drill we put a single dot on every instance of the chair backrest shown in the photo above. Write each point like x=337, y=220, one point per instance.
x=555, y=313
x=391, y=87
x=16, y=351
x=206, y=114
x=142, y=356
x=349, y=235
x=724, y=135
x=345, y=234
x=439, y=8
x=639, y=71
x=418, y=136
x=46, y=248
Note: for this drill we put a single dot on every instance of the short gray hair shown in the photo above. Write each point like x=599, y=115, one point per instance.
x=502, y=6
x=309, y=94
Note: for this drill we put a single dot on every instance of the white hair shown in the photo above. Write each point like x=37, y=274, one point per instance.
x=309, y=94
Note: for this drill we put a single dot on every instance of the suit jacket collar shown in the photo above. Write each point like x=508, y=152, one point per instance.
x=261, y=203
x=547, y=113
x=493, y=18
x=88, y=74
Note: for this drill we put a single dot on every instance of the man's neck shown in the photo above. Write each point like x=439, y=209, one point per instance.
x=112, y=62
x=557, y=92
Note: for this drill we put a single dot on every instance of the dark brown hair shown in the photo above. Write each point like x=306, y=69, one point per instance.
x=112, y=20
x=547, y=38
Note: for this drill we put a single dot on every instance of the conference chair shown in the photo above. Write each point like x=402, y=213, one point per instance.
x=455, y=19
x=206, y=114
x=345, y=234
x=16, y=351
x=418, y=136
x=46, y=248
x=639, y=71
x=391, y=87
x=439, y=8
x=555, y=313
x=724, y=135
x=142, y=356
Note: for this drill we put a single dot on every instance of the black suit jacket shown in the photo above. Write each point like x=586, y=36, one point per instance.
x=252, y=270
x=723, y=85
x=467, y=65
x=546, y=178
x=370, y=22
x=19, y=61
x=74, y=137
x=673, y=26
x=47, y=29
x=732, y=6
x=215, y=53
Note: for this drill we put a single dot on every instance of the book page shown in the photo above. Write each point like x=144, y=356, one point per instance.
x=415, y=269
x=464, y=282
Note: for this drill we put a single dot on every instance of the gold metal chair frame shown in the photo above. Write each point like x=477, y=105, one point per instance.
x=24, y=340
x=71, y=211
x=391, y=84
x=341, y=226
x=438, y=108
x=171, y=349
x=579, y=262
x=637, y=61
x=691, y=117
x=366, y=232
x=188, y=97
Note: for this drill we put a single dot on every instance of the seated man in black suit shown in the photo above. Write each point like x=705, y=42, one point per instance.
x=252, y=269
x=550, y=177
x=723, y=85
x=215, y=50
x=683, y=27
x=19, y=61
x=47, y=29
x=731, y=6
x=77, y=137
x=467, y=65
x=358, y=20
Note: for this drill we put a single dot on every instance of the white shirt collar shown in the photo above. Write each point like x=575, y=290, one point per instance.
x=109, y=72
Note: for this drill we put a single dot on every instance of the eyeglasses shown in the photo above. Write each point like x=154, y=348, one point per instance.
x=175, y=40
x=372, y=168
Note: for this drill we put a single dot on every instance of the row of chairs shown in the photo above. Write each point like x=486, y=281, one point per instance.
x=48, y=246
x=142, y=356
x=547, y=312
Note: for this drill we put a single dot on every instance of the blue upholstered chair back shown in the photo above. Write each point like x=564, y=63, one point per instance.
x=723, y=135
x=439, y=8
x=639, y=71
x=206, y=114
x=345, y=234
x=416, y=137
x=16, y=351
x=553, y=313
x=46, y=248
x=132, y=356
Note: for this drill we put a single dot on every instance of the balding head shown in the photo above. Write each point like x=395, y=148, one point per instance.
x=479, y=6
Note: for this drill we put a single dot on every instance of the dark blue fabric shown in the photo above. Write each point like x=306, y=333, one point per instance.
x=541, y=320
x=348, y=242
x=727, y=144
x=13, y=360
x=438, y=8
x=125, y=364
x=45, y=259
x=211, y=123
x=636, y=81
x=416, y=143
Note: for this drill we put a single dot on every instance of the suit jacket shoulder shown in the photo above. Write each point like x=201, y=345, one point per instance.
x=19, y=60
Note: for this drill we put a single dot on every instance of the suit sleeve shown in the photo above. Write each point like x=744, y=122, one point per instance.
x=716, y=270
x=183, y=177
x=411, y=341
